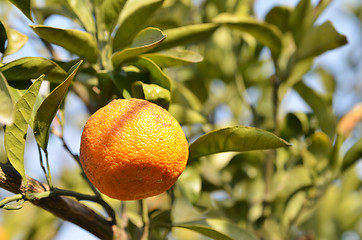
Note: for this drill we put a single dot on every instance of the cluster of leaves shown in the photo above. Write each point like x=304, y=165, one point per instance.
x=138, y=48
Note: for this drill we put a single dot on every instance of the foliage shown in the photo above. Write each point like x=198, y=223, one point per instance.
x=194, y=60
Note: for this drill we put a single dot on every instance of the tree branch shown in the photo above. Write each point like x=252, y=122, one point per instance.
x=62, y=207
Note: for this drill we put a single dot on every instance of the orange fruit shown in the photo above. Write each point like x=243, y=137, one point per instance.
x=133, y=149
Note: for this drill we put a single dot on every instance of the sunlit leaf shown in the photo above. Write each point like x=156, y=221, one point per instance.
x=321, y=106
x=352, y=155
x=218, y=229
x=157, y=75
x=16, y=41
x=49, y=107
x=133, y=18
x=145, y=40
x=111, y=10
x=152, y=92
x=15, y=134
x=32, y=67
x=237, y=139
x=24, y=6
x=267, y=34
x=174, y=57
x=83, y=11
x=185, y=115
x=80, y=43
x=319, y=40
x=186, y=34
x=6, y=102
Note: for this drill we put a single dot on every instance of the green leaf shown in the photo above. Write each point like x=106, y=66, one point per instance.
x=186, y=115
x=134, y=16
x=321, y=107
x=3, y=38
x=111, y=10
x=32, y=67
x=80, y=43
x=24, y=6
x=329, y=83
x=296, y=72
x=83, y=10
x=186, y=34
x=6, y=102
x=49, y=107
x=152, y=93
x=157, y=75
x=218, y=229
x=352, y=155
x=174, y=57
x=15, y=134
x=279, y=16
x=145, y=40
x=319, y=40
x=190, y=183
x=16, y=41
x=237, y=138
x=267, y=34
x=301, y=19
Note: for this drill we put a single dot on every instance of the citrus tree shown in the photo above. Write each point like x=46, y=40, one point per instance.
x=253, y=171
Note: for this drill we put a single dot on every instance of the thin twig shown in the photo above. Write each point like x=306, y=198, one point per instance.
x=145, y=219
x=43, y=167
x=110, y=211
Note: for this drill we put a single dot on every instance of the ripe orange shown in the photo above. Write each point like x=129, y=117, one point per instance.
x=133, y=149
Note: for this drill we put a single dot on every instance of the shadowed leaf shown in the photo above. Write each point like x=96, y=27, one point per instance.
x=267, y=34
x=111, y=10
x=32, y=67
x=24, y=6
x=157, y=75
x=3, y=38
x=186, y=34
x=321, y=108
x=174, y=57
x=145, y=40
x=134, y=16
x=49, y=107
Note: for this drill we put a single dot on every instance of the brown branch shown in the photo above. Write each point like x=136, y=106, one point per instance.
x=62, y=207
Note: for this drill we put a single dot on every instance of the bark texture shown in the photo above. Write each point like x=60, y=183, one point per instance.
x=63, y=207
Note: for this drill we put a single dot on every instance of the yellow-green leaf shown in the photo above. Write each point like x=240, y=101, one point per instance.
x=239, y=139
x=15, y=134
